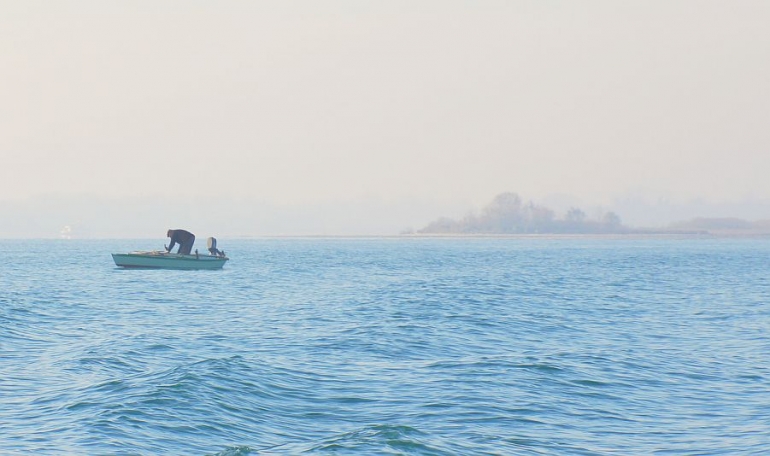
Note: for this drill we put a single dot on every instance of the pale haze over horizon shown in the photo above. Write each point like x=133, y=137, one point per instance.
x=347, y=117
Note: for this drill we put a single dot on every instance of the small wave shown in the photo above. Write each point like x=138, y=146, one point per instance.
x=492, y=365
x=235, y=451
x=379, y=439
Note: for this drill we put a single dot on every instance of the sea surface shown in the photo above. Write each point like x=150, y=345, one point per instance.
x=389, y=346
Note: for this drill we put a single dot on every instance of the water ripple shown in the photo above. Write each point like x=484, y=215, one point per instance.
x=378, y=346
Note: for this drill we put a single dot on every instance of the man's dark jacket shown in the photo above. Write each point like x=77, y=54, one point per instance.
x=179, y=237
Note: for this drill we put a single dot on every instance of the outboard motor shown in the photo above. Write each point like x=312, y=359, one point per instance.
x=212, y=245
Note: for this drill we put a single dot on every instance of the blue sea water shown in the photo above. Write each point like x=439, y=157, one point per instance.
x=389, y=346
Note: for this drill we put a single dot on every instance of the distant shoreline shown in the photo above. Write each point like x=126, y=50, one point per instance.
x=598, y=236
x=737, y=234
x=531, y=236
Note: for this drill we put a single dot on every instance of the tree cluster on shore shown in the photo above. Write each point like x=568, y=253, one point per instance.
x=508, y=214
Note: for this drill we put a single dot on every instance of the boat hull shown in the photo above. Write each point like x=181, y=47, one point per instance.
x=164, y=260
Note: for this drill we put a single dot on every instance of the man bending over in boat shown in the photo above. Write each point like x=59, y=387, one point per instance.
x=185, y=239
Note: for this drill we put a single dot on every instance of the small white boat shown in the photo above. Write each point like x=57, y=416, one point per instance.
x=160, y=259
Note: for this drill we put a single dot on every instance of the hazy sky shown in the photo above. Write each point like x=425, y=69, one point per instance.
x=441, y=102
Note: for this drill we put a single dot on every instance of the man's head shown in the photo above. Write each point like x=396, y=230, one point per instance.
x=169, y=233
